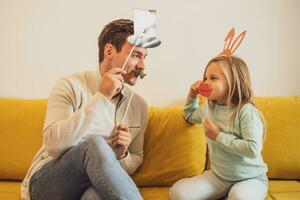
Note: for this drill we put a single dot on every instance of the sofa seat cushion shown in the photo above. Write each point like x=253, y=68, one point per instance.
x=162, y=193
x=286, y=196
x=10, y=190
x=173, y=149
x=155, y=193
x=284, y=189
x=279, y=190
x=284, y=186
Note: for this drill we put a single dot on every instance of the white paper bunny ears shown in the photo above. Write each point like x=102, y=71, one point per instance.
x=144, y=22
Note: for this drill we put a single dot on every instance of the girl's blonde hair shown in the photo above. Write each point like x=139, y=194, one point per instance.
x=240, y=89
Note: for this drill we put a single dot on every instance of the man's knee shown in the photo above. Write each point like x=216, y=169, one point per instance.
x=97, y=146
x=91, y=194
x=95, y=140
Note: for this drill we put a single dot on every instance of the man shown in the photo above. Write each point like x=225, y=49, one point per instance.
x=86, y=152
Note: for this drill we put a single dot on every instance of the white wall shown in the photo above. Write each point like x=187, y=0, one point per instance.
x=42, y=40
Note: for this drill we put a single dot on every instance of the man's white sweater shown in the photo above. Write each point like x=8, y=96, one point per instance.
x=76, y=110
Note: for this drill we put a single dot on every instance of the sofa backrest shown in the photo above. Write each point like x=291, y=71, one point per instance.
x=282, y=148
x=173, y=149
x=21, y=124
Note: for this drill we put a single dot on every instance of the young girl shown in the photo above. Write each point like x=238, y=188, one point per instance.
x=235, y=130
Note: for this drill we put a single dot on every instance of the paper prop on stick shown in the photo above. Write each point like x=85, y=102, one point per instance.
x=144, y=22
x=205, y=90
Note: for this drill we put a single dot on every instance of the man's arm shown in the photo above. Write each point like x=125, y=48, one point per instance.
x=65, y=126
x=135, y=153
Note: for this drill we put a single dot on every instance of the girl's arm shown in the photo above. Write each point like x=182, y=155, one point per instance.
x=250, y=143
x=192, y=113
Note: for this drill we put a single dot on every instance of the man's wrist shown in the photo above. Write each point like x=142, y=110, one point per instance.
x=123, y=155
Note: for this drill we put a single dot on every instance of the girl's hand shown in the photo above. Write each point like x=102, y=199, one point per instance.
x=211, y=130
x=194, y=89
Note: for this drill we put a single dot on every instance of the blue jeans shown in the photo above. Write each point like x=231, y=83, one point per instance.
x=89, y=170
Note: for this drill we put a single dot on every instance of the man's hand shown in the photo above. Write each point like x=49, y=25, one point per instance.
x=112, y=82
x=194, y=89
x=121, y=139
x=211, y=130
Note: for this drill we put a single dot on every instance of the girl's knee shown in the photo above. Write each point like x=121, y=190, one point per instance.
x=245, y=195
x=235, y=195
x=177, y=191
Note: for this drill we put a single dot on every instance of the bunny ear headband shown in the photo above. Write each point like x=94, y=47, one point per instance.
x=229, y=49
x=204, y=89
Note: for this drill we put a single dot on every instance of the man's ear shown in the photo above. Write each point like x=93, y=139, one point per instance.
x=109, y=50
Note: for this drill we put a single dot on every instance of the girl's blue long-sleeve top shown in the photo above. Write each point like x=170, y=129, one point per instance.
x=236, y=152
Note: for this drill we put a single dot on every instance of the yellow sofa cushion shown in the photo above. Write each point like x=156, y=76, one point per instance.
x=10, y=190
x=281, y=149
x=284, y=186
x=155, y=193
x=21, y=123
x=281, y=189
x=162, y=193
x=284, y=190
x=173, y=149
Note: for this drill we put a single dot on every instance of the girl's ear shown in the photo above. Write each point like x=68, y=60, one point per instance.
x=237, y=42
x=109, y=51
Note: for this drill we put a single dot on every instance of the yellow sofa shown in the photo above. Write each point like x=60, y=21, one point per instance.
x=173, y=149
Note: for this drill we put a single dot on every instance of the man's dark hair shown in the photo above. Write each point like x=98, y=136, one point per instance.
x=115, y=33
